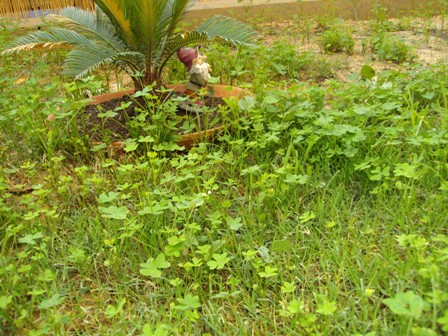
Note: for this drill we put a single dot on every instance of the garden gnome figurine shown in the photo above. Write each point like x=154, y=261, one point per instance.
x=197, y=67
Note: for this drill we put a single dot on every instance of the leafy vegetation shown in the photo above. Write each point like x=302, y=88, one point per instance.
x=392, y=49
x=338, y=39
x=320, y=210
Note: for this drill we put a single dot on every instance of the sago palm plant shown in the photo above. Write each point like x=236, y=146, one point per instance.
x=137, y=37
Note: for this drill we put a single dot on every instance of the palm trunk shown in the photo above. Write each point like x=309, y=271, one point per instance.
x=152, y=77
x=138, y=84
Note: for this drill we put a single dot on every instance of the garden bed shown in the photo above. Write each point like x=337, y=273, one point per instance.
x=117, y=126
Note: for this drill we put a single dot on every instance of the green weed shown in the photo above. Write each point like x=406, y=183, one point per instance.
x=392, y=49
x=337, y=39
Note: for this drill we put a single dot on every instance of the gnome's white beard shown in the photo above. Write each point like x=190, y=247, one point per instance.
x=201, y=69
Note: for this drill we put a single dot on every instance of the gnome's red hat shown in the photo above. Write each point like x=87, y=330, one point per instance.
x=187, y=55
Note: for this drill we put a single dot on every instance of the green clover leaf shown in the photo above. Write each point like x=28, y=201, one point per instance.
x=407, y=304
x=152, y=266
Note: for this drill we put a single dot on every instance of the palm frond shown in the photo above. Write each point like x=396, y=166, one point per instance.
x=131, y=59
x=174, y=12
x=80, y=62
x=91, y=24
x=179, y=41
x=120, y=14
x=149, y=25
x=42, y=46
x=59, y=38
x=228, y=30
x=220, y=29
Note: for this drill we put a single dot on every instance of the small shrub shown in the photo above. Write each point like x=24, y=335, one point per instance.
x=406, y=23
x=385, y=26
x=381, y=22
x=338, y=39
x=392, y=49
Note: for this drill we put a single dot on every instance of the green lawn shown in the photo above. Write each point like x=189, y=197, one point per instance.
x=321, y=210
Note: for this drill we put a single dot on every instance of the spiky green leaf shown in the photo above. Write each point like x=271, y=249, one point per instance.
x=228, y=30
x=55, y=38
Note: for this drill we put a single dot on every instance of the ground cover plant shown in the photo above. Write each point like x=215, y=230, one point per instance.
x=321, y=210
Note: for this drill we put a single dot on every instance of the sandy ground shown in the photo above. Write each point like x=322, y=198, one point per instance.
x=428, y=39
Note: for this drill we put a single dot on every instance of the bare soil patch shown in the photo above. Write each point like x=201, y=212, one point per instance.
x=428, y=39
